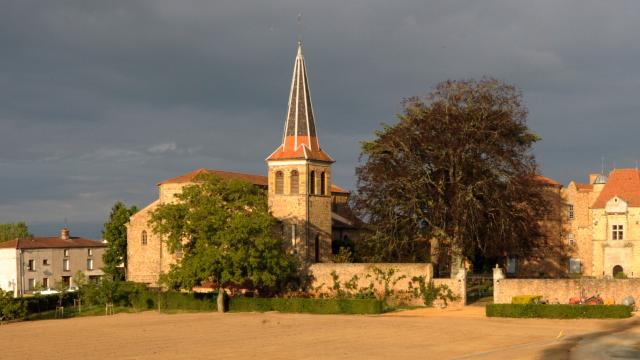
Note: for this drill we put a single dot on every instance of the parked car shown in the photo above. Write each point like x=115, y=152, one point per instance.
x=48, y=291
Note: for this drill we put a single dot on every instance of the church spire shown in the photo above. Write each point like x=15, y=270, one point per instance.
x=300, y=139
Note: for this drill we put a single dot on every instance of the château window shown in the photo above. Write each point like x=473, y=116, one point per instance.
x=32, y=265
x=312, y=183
x=144, y=237
x=293, y=235
x=295, y=182
x=323, y=183
x=89, y=264
x=617, y=232
x=570, y=239
x=65, y=265
x=575, y=266
x=570, y=213
x=279, y=182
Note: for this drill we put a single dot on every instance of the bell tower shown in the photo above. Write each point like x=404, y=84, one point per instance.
x=300, y=176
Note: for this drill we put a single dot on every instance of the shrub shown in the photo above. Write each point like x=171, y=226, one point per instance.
x=558, y=311
x=620, y=275
x=526, y=299
x=40, y=303
x=306, y=305
x=429, y=292
x=11, y=308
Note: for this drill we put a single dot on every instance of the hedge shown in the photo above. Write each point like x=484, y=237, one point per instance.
x=558, y=311
x=187, y=301
x=306, y=305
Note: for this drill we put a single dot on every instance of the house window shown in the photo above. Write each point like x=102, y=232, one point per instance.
x=570, y=213
x=45, y=262
x=65, y=265
x=323, y=183
x=312, y=183
x=575, y=266
x=617, y=232
x=45, y=283
x=31, y=283
x=144, y=237
x=279, y=182
x=511, y=265
x=295, y=182
x=570, y=239
x=31, y=265
x=66, y=252
x=89, y=264
x=89, y=252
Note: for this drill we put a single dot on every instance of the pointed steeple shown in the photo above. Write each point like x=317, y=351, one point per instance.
x=300, y=139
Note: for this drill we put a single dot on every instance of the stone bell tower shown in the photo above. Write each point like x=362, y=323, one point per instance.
x=300, y=176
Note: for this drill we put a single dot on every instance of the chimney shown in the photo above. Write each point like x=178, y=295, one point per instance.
x=64, y=233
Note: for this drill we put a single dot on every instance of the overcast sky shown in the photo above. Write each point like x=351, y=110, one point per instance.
x=100, y=100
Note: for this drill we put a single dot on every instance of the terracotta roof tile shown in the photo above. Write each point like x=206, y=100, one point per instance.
x=547, y=181
x=50, y=242
x=259, y=180
x=584, y=187
x=624, y=183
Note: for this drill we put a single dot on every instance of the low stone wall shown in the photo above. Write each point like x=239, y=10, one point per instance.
x=323, y=281
x=561, y=290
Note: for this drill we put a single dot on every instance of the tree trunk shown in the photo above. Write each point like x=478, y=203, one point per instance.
x=220, y=300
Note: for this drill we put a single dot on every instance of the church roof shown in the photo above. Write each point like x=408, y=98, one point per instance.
x=623, y=183
x=299, y=140
x=259, y=180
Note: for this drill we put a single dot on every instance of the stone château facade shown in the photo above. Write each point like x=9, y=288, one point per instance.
x=312, y=210
x=603, y=224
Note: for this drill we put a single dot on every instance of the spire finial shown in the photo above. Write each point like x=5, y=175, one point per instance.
x=300, y=29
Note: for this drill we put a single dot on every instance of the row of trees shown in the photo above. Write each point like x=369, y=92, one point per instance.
x=457, y=168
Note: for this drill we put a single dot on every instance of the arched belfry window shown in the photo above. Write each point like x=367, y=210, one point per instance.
x=279, y=182
x=323, y=183
x=295, y=182
x=312, y=183
x=143, y=238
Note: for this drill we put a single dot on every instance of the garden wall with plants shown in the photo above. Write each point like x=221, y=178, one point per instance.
x=400, y=281
x=561, y=290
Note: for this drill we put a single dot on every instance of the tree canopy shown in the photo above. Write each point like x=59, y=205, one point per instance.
x=10, y=231
x=226, y=234
x=115, y=232
x=456, y=168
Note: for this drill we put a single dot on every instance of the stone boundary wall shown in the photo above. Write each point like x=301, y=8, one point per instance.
x=322, y=280
x=561, y=290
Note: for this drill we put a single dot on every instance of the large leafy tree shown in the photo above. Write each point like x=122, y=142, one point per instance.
x=10, y=231
x=226, y=233
x=115, y=232
x=456, y=168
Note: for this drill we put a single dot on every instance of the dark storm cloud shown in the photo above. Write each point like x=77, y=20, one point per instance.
x=100, y=100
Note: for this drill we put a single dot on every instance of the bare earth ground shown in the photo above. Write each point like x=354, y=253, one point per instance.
x=417, y=334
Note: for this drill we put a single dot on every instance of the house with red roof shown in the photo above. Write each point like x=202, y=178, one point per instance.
x=40, y=262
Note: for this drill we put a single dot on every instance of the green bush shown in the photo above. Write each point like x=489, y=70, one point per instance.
x=40, y=303
x=306, y=305
x=11, y=308
x=620, y=275
x=173, y=300
x=558, y=311
x=526, y=299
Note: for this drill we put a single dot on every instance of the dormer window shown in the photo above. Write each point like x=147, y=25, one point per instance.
x=617, y=232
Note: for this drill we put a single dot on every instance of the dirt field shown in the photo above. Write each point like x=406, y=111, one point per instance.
x=418, y=334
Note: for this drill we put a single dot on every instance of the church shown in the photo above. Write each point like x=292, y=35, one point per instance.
x=313, y=212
